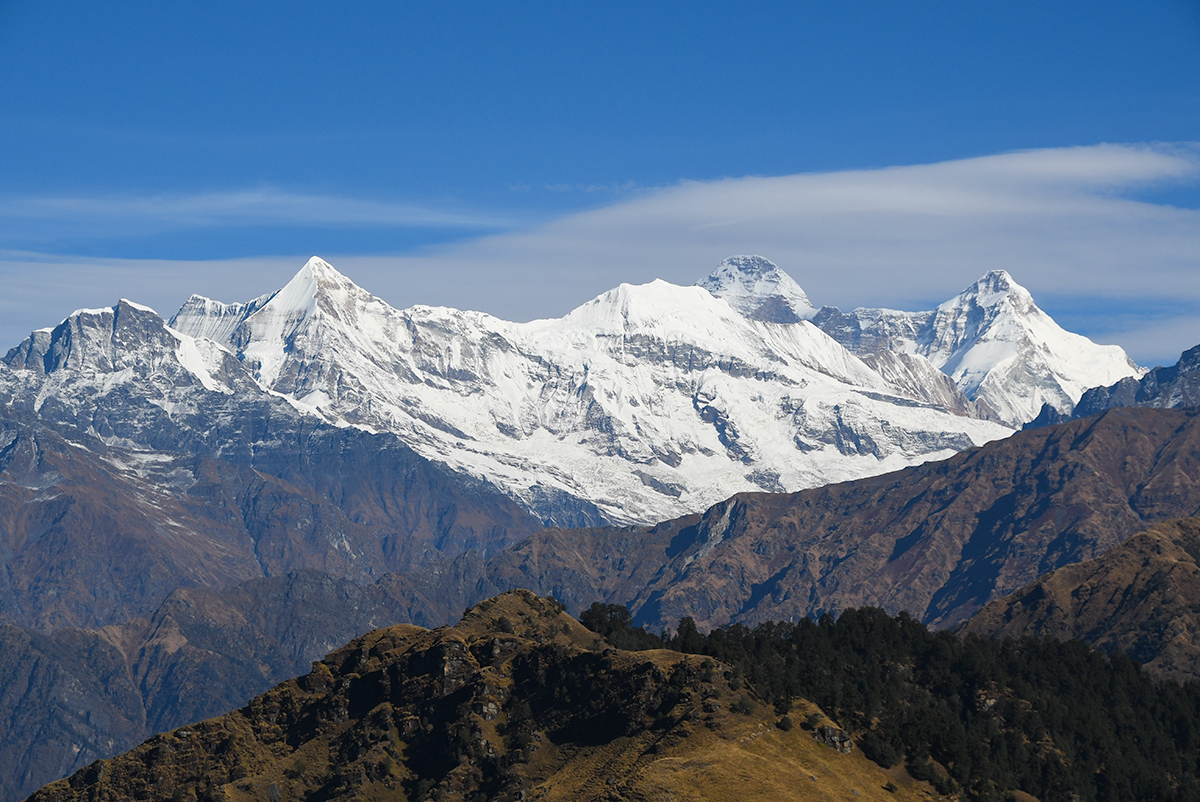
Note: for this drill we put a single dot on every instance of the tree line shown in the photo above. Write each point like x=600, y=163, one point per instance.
x=974, y=716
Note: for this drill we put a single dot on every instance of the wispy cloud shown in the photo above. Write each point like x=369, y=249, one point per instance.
x=1067, y=223
x=129, y=213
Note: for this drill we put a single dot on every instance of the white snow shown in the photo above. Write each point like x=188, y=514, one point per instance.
x=757, y=288
x=1001, y=349
x=648, y=401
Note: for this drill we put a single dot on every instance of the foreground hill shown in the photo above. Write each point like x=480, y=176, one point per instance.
x=1141, y=598
x=939, y=540
x=518, y=701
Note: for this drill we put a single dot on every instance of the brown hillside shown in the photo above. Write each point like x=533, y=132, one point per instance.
x=97, y=536
x=1141, y=598
x=518, y=701
x=939, y=540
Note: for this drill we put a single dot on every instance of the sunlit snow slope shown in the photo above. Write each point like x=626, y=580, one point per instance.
x=645, y=403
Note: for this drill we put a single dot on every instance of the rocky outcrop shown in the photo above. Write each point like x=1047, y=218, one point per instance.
x=1141, y=598
x=834, y=737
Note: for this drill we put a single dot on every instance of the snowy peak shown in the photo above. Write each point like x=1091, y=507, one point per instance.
x=1002, y=351
x=318, y=308
x=759, y=290
x=113, y=346
x=657, y=306
x=994, y=309
x=992, y=290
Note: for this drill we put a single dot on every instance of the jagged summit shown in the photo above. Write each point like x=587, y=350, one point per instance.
x=1002, y=351
x=315, y=280
x=758, y=289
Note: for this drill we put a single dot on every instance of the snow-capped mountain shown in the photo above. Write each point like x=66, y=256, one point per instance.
x=645, y=403
x=1002, y=351
x=135, y=459
x=758, y=289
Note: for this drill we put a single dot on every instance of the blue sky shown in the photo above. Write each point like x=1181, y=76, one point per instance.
x=520, y=158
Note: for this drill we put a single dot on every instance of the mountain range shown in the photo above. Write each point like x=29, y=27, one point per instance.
x=653, y=401
x=938, y=540
x=192, y=510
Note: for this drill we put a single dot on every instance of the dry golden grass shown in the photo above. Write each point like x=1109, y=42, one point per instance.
x=743, y=758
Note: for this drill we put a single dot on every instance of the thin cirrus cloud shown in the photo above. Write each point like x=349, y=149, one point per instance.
x=126, y=214
x=1071, y=224
x=1080, y=227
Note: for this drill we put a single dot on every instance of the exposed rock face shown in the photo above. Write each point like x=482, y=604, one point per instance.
x=1141, y=598
x=518, y=701
x=1174, y=387
x=938, y=540
x=834, y=738
x=1003, y=352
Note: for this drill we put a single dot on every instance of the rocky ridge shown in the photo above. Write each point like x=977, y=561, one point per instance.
x=938, y=540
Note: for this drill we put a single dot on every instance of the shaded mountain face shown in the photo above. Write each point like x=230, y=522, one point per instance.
x=516, y=701
x=1003, y=352
x=1141, y=598
x=73, y=696
x=1174, y=387
x=938, y=541
x=135, y=460
x=646, y=403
